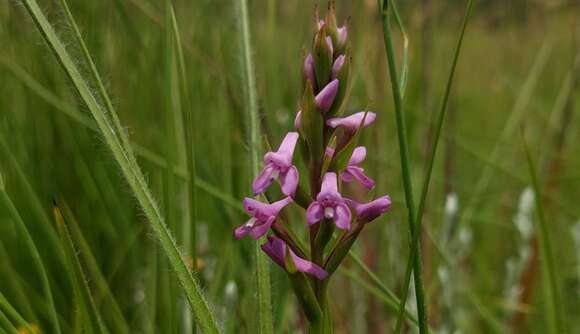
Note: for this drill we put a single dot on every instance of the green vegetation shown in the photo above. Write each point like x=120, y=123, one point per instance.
x=144, y=122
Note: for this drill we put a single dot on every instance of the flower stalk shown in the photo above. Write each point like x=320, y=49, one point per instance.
x=329, y=147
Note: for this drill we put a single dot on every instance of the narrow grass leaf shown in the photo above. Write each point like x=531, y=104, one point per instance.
x=31, y=246
x=102, y=289
x=129, y=169
x=551, y=286
x=253, y=121
x=405, y=164
x=430, y=163
x=77, y=275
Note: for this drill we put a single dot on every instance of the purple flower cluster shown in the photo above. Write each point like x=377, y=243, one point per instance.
x=332, y=157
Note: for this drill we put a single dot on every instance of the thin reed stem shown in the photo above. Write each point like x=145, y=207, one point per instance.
x=405, y=166
x=253, y=122
x=428, y=172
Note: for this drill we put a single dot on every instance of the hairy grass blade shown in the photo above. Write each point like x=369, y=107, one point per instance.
x=78, y=278
x=129, y=169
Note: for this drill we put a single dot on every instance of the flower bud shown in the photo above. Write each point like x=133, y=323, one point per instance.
x=308, y=70
x=323, y=57
x=325, y=98
x=341, y=71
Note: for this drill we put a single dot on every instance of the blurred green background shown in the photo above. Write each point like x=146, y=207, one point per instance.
x=520, y=65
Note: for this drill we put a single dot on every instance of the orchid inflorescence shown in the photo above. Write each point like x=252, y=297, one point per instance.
x=329, y=148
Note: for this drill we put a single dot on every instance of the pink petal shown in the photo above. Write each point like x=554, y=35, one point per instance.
x=259, y=230
x=276, y=249
x=329, y=44
x=306, y=266
x=369, y=211
x=283, y=157
x=352, y=122
x=358, y=173
x=289, y=181
x=314, y=213
x=298, y=120
x=342, y=35
x=358, y=155
x=253, y=206
x=329, y=151
x=346, y=176
x=325, y=98
x=275, y=208
x=309, y=71
x=329, y=184
x=263, y=180
x=244, y=229
x=342, y=217
x=338, y=63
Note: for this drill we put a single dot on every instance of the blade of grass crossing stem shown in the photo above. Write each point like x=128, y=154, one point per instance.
x=77, y=275
x=253, y=121
x=551, y=289
x=130, y=171
x=431, y=160
x=37, y=259
x=405, y=165
x=102, y=290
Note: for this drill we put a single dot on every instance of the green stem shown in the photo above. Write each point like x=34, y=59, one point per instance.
x=262, y=265
x=405, y=166
x=430, y=163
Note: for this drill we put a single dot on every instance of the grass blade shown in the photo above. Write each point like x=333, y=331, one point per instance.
x=262, y=265
x=102, y=287
x=37, y=259
x=430, y=163
x=77, y=275
x=405, y=165
x=130, y=171
x=551, y=288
